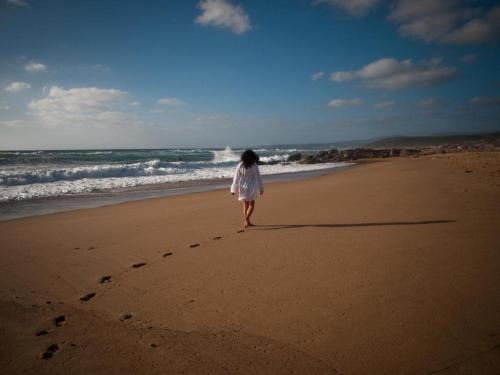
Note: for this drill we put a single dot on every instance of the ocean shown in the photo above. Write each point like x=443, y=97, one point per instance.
x=34, y=178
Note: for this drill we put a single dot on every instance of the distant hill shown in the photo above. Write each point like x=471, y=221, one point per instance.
x=434, y=140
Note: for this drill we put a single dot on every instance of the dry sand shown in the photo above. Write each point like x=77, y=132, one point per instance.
x=384, y=268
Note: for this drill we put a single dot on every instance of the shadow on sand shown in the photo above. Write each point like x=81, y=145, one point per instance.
x=293, y=226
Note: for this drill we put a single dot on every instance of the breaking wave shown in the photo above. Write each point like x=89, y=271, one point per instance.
x=37, y=174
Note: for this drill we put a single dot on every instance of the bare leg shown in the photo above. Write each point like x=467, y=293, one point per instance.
x=251, y=206
x=245, y=209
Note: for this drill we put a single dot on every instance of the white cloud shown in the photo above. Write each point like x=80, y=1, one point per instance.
x=343, y=76
x=222, y=13
x=317, y=76
x=386, y=104
x=134, y=104
x=469, y=58
x=356, y=8
x=391, y=74
x=17, y=86
x=445, y=21
x=81, y=106
x=485, y=100
x=35, y=67
x=78, y=99
x=172, y=102
x=477, y=30
x=19, y=3
x=428, y=20
x=337, y=103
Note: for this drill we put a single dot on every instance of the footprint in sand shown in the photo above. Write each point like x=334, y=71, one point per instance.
x=47, y=354
x=217, y=238
x=194, y=245
x=167, y=255
x=91, y=248
x=60, y=321
x=41, y=332
x=240, y=231
x=137, y=265
x=105, y=279
x=126, y=316
x=87, y=297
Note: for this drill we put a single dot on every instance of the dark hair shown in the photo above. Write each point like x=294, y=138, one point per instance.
x=248, y=158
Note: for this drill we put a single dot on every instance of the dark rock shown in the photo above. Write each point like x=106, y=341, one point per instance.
x=334, y=155
x=308, y=159
x=294, y=157
x=272, y=162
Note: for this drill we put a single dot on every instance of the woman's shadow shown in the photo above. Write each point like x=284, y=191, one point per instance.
x=347, y=225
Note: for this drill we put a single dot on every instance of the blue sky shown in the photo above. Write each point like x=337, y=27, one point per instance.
x=101, y=74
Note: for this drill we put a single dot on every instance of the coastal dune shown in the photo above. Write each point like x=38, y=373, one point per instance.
x=386, y=267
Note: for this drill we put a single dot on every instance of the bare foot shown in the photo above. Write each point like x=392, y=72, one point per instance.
x=250, y=224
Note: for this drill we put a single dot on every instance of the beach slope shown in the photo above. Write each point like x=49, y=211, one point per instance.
x=386, y=267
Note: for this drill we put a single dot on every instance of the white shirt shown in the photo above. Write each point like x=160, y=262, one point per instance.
x=247, y=181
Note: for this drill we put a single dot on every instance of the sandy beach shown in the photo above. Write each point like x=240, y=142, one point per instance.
x=387, y=267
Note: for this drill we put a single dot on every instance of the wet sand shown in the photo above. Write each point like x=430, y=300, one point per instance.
x=384, y=268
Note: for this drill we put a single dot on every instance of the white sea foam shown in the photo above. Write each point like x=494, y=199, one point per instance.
x=225, y=155
x=20, y=176
x=56, y=182
x=274, y=158
x=36, y=174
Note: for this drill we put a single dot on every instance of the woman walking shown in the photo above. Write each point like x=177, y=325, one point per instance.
x=247, y=181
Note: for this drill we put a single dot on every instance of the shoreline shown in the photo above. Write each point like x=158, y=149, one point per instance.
x=13, y=210
x=387, y=268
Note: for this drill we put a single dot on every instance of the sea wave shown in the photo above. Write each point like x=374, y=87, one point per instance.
x=81, y=185
x=16, y=176
x=22, y=175
x=224, y=156
x=274, y=158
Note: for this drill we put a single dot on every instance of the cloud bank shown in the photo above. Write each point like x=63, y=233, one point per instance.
x=445, y=21
x=81, y=106
x=391, y=74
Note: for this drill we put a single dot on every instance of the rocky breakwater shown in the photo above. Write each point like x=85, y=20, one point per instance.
x=334, y=155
